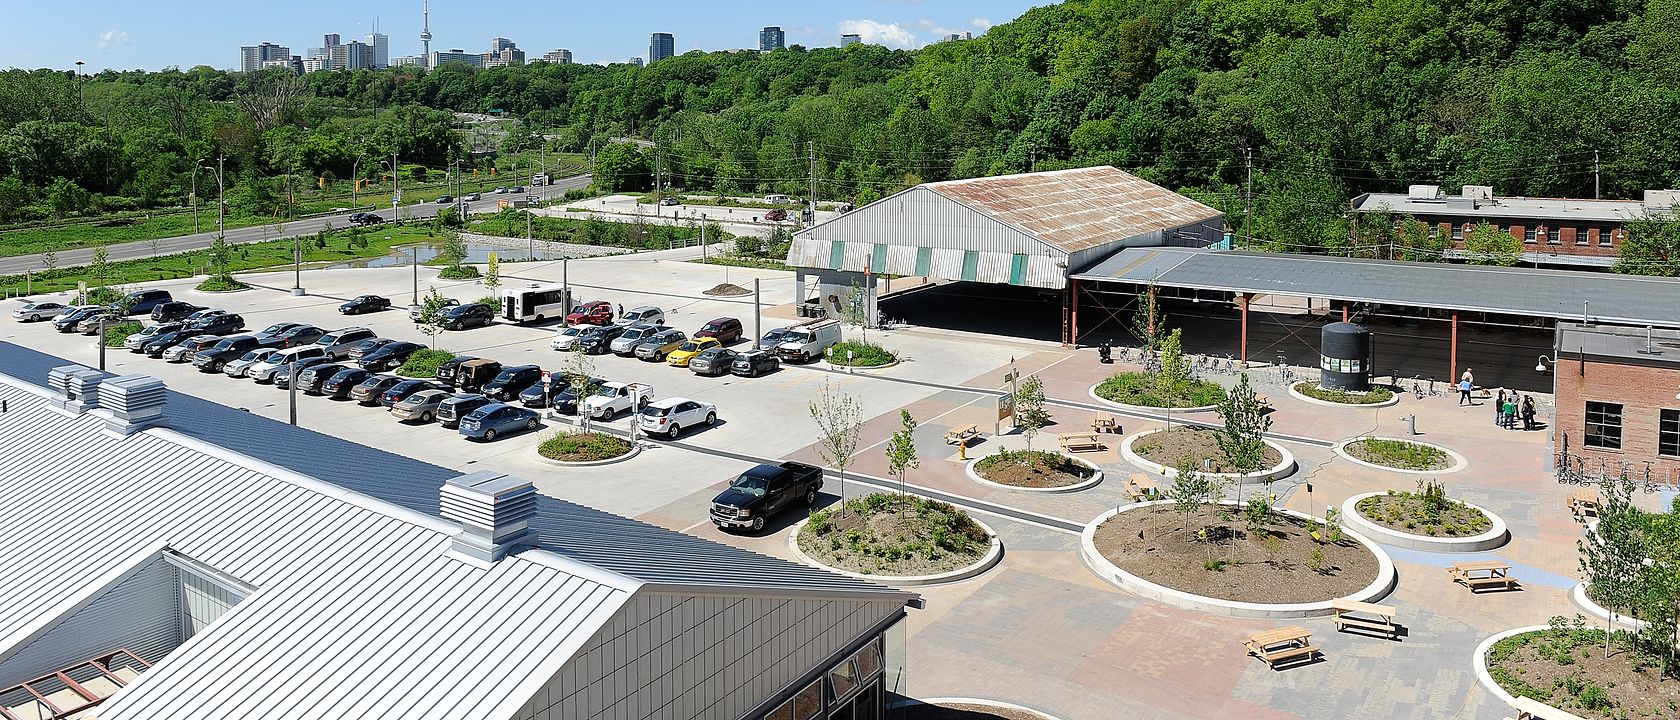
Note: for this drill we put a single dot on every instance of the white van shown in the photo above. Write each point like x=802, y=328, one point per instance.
x=808, y=340
x=779, y=199
x=263, y=370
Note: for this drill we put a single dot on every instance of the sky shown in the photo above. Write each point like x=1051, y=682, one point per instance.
x=127, y=35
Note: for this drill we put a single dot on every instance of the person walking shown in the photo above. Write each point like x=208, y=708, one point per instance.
x=1466, y=383
x=1511, y=412
x=1528, y=412
x=1499, y=409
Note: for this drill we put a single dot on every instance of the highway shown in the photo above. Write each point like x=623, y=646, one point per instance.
x=16, y=265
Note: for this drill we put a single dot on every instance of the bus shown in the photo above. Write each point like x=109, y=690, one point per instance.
x=535, y=303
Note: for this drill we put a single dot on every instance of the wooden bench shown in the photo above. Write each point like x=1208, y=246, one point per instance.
x=1083, y=443
x=1281, y=644
x=961, y=434
x=1142, y=488
x=1583, y=502
x=1351, y=613
x=1105, y=423
x=1481, y=574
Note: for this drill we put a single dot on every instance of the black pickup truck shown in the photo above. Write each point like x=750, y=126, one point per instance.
x=763, y=491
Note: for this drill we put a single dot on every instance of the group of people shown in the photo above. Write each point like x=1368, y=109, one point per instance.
x=1507, y=407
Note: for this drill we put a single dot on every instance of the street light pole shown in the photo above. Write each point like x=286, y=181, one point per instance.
x=199, y=162
x=355, y=181
x=102, y=343
x=291, y=387
x=414, y=255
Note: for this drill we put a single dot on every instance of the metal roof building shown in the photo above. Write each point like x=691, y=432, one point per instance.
x=254, y=569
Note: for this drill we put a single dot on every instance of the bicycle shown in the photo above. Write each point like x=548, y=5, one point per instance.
x=1417, y=387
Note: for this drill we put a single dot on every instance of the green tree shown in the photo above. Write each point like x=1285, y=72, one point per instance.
x=1148, y=324
x=621, y=167
x=1242, y=439
x=1651, y=245
x=1612, y=555
x=100, y=269
x=1488, y=245
x=901, y=449
x=839, y=419
x=67, y=198
x=433, y=315
x=492, y=273
x=1030, y=414
x=1174, y=374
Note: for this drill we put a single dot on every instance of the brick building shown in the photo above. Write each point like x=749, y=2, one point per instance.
x=1553, y=231
x=1617, y=399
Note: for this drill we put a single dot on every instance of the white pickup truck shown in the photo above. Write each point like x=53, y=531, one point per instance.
x=612, y=398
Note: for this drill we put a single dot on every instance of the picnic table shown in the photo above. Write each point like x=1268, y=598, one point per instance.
x=1368, y=616
x=1141, y=487
x=1583, y=502
x=1105, y=423
x=1281, y=644
x=1083, y=443
x=1482, y=573
x=961, y=433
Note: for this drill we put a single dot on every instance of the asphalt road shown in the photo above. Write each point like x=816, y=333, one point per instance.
x=16, y=265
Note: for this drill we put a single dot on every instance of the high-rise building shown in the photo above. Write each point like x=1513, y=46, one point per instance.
x=293, y=63
x=498, y=44
x=330, y=40
x=636, y=61
x=661, y=46
x=953, y=37
x=455, y=55
x=559, y=57
x=353, y=55
x=504, y=57
x=408, y=61
x=426, y=32
x=381, y=48
x=252, y=57
x=850, y=39
x=312, y=64
x=771, y=38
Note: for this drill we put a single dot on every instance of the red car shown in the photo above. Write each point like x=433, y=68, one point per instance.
x=776, y=215
x=596, y=312
x=726, y=329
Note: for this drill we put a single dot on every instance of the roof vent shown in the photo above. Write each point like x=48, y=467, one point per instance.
x=1479, y=193
x=77, y=385
x=1661, y=199
x=494, y=510
x=1422, y=192
x=135, y=402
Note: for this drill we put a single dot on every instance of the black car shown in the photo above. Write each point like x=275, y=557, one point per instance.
x=297, y=336
x=362, y=218
x=312, y=380
x=68, y=321
x=561, y=395
x=469, y=315
x=447, y=370
x=365, y=304
x=283, y=374
x=155, y=348
x=339, y=385
x=361, y=349
x=450, y=412
x=512, y=381
x=400, y=391
x=225, y=324
x=389, y=356
x=599, y=340
x=276, y=329
x=215, y=357
x=141, y=302
x=174, y=310
x=755, y=363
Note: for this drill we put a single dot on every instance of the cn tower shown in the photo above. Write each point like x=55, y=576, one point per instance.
x=425, y=33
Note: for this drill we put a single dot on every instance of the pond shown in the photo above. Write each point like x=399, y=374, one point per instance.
x=477, y=254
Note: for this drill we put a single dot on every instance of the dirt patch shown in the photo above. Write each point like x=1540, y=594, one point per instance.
x=891, y=534
x=1564, y=666
x=727, y=290
x=965, y=711
x=1158, y=545
x=1374, y=396
x=1409, y=513
x=1399, y=454
x=1197, y=444
x=1035, y=469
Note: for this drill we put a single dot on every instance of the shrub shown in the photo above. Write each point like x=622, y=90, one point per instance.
x=583, y=447
x=424, y=363
x=1315, y=561
x=221, y=283
x=1042, y=460
x=104, y=296
x=864, y=354
x=1400, y=454
x=1136, y=388
x=1213, y=565
x=116, y=334
x=458, y=272
x=1316, y=392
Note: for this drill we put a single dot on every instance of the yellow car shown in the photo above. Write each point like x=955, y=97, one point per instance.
x=680, y=356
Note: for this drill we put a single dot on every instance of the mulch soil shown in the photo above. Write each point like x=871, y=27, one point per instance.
x=1358, y=450
x=726, y=290
x=1470, y=521
x=963, y=711
x=1155, y=544
x=901, y=526
x=1171, y=447
x=1632, y=693
x=1019, y=473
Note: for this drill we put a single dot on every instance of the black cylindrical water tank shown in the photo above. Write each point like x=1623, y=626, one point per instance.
x=1346, y=359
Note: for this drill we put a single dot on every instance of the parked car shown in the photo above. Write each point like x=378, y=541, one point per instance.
x=143, y=302
x=202, y=313
x=416, y=310
x=755, y=363
x=455, y=407
x=612, y=398
x=138, y=340
x=763, y=491
x=566, y=338
x=216, y=357
x=276, y=329
x=312, y=380
x=237, y=368
x=390, y=356
x=402, y=390
x=668, y=417
x=339, y=342
x=444, y=199
x=341, y=383
x=470, y=197
x=462, y=317
x=496, y=419
x=726, y=329
x=516, y=189
x=90, y=324
x=776, y=215
x=185, y=350
x=362, y=218
x=644, y=315
x=174, y=310
x=561, y=395
x=264, y=370
x=35, y=310
x=633, y=335
x=361, y=349
x=365, y=304
x=594, y=312
x=686, y=352
x=778, y=199
x=371, y=388
x=421, y=406
x=511, y=381
x=283, y=374
x=448, y=369
x=296, y=336
x=807, y=341
x=712, y=361
x=669, y=201
x=501, y=190
x=597, y=340
x=155, y=347
x=475, y=374
x=660, y=344
x=67, y=322
x=224, y=324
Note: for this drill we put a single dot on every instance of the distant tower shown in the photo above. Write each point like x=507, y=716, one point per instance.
x=425, y=32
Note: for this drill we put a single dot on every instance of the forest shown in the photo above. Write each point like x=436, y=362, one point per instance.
x=1311, y=101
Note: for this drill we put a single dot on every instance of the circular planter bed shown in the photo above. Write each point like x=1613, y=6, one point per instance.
x=864, y=355
x=1464, y=528
x=1135, y=391
x=1563, y=666
x=965, y=709
x=220, y=290
x=1171, y=564
x=1046, y=472
x=1583, y=599
x=1310, y=392
x=1397, y=455
x=585, y=449
x=1162, y=453
x=897, y=539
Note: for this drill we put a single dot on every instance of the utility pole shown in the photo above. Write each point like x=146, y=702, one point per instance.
x=396, y=190
x=1032, y=158
x=355, y=182
x=530, y=245
x=291, y=386
x=658, y=173
x=758, y=331
x=195, y=194
x=1248, y=198
x=1595, y=174
x=414, y=262
x=810, y=149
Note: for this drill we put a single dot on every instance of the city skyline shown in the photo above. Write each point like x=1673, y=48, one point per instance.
x=132, y=36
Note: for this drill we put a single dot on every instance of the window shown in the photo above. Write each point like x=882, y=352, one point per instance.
x=1604, y=425
x=1668, y=433
x=804, y=706
x=1458, y=231
x=842, y=680
x=1530, y=232
x=1581, y=236
x=1609, y=238
x=1554, y=236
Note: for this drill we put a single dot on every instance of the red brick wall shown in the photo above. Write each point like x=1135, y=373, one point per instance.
x=1570, y=241
x=1642, y=391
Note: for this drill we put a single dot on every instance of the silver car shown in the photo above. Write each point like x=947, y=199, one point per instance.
x=40, y=310
x=182, y=352
x=90, y=324
x=238, y=368
x=634, y=335
x=422, y=406
x=137, y=341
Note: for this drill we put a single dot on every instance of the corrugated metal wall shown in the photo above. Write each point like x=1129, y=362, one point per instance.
x=920, y=217
x=202, y=602
x=643, y=664
x=141, y=613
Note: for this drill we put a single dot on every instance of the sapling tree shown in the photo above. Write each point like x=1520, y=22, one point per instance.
x=1147, y=322
x=901, y=449
x=433, y=315
x=839, y=419
x=1612, y=554
x=1030, y=414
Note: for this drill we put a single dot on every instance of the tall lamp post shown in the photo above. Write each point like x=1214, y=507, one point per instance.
x=221, y=206
x=414, y=261
x=196, y=165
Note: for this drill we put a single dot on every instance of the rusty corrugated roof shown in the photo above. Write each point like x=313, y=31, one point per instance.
x=1077, y=209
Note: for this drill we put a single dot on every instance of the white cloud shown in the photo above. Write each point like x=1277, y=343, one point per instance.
x=112, y=37
x=936, y=28
x=890, y=35
x=981, y=23
x=807, y=31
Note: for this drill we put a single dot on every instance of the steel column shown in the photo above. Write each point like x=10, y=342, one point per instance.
x=1452, y=362
x=1074, y=322
x=1242, y=303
